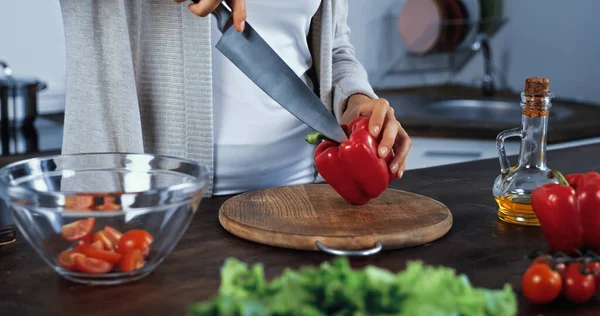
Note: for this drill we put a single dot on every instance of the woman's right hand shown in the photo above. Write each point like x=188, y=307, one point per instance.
x=205, y=7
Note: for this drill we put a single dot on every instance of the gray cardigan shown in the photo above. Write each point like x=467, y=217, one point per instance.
x=139, y=75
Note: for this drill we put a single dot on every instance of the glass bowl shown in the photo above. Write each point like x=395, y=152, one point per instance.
x=103, y=218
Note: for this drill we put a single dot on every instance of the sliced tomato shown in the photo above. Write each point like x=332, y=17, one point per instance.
x=79, y=203
x=108, y=204
x=78, y=229
x=112, y=234
x=104, y=255
x=88, y=239
x=66, y=259
x=135, y=239
x=92, y=265
x=96, y=245
x=101, y=236
x=132, y=260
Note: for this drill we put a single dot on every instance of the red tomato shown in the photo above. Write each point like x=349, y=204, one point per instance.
x=96, y=245
x=135, y=239
x=66, y=259
x=88, y=239
x=132, y=260
x=78, y=229
x=578, y=288
x=104, y=255
x=101, y=236
x=92, y=265
x=560, y=268
x=594, y=268
x=108, y=204
x=79, y=202
x=540, y=284
x=112, y=234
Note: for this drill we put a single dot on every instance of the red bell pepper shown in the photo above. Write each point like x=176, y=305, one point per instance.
x=353, y=168
x=569, y=212
x=587, y=186
x=555, y=206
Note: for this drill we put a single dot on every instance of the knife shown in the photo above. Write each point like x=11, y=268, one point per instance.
x=249, y=52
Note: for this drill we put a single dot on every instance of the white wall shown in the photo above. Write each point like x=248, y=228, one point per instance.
x=560, y=42
x=32, y=43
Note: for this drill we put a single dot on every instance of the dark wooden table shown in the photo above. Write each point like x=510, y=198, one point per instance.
x=490, y=252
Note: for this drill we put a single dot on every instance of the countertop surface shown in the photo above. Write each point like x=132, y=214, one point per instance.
x=569, y=120
x=487, y=250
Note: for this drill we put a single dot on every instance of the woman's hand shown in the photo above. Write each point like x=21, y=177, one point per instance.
x=382, y=121
x=205, y=7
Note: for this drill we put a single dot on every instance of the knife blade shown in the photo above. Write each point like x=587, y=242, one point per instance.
x=249, y=52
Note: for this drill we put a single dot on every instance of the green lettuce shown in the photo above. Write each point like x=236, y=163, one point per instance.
x=337, y=289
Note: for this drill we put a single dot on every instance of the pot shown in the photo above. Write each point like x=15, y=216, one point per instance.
x=18, y=98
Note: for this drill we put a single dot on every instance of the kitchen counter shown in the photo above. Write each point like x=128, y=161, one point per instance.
x=489, y=251
x=410, y=105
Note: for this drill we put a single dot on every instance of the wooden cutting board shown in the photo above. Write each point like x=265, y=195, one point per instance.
x=299, y=216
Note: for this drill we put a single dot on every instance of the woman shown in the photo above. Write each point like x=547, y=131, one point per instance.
x=144, y=76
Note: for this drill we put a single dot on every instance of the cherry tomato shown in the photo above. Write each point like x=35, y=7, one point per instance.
x=135, y=239
x=101, y=236
x=578, y=288
x=104, y=255
x=594, y=268
x=78, y=229
x=560, y=268
x=66, y=259
x=92, y=265
x=79, y=203
x=132, y=260
x=112, y=234
x=88, y=239
x=540, y=284
x=95, y=245
x=108, y=204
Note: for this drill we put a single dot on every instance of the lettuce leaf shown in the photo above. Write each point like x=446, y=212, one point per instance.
x=337, y=289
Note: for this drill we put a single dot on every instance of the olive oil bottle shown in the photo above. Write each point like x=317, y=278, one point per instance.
x=513, y=187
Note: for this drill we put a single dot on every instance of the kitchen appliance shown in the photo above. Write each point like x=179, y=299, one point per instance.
x=512, y=188
x=316, y=217
x=18, y=99
x=257, y=60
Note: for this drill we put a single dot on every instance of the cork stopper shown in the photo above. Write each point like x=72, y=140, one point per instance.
x=537, y=86
x=536, y=90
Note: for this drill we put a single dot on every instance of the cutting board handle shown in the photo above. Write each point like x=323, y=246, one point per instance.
x=223, y=15
x=337, y=252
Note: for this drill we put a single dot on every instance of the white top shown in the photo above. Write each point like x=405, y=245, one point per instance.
x=257, y=142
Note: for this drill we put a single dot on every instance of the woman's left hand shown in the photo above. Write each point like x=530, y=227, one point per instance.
x=382, y=120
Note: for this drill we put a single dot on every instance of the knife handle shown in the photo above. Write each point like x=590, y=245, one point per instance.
x=223, y=15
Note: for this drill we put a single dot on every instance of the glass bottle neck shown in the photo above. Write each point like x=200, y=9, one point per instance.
x=533, y=144
x=534, y=122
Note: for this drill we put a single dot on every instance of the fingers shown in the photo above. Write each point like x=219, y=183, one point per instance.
x=239, y=14
x=401, y=149
x=204, y=7
x=401, y=170
x=378, y=115
x=389, y=133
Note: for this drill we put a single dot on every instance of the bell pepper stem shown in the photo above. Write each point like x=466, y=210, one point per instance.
x=559, y=176
x=314, y=137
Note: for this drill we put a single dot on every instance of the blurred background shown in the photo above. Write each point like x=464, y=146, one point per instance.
x=452, y=69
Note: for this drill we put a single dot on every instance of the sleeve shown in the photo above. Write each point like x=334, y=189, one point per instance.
x=349, y=76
